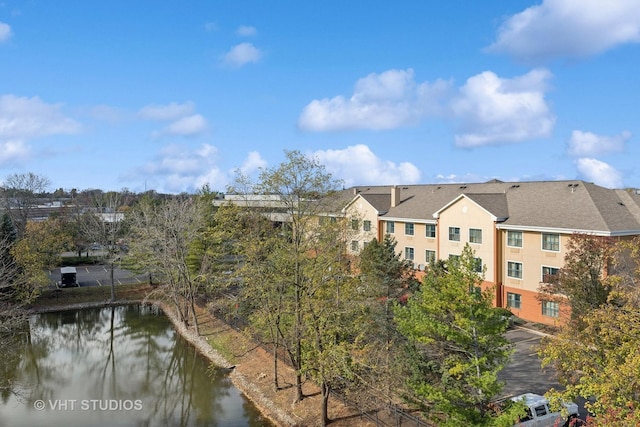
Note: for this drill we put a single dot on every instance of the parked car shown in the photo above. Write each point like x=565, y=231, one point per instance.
x=540, y=415
x=68, y=277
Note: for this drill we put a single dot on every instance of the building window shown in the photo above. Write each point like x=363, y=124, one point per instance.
x=551, y=242
x=408, y=253
x=429, y=256
x=454, y=234
x=514, y=238
x=549, y=274
x=354, y=245
x=408, y=229
x=475, y=235
x=514, y=300
x=550, y=308
x=454, y=259
x=514, y=269
x=391, y=227
x=354, y=224
x=431, y=231
x=477, y=265
x=366, y=225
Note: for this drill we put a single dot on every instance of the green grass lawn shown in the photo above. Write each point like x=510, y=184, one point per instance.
x=90, y=294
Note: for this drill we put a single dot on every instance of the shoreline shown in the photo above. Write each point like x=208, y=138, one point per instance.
x=267, y=408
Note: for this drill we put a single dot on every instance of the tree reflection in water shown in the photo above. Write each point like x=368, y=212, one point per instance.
x=128, y=354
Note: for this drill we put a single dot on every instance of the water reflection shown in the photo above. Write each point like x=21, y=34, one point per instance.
x=118, y=366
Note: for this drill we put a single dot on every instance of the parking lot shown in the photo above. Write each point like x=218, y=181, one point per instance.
x=100, y=275
x=524, y=373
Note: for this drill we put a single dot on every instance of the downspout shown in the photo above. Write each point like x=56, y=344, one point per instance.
x=497, y=265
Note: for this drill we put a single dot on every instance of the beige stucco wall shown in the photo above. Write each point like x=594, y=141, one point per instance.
x=419, y=242
x=533, y=258
x=361, y=210
x=466, y=214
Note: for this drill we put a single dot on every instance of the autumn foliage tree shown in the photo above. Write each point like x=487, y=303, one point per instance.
x=583, y=282
x=598, y=356
x=36, y=252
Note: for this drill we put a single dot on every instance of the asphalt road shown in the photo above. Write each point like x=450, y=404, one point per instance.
x=100, y=275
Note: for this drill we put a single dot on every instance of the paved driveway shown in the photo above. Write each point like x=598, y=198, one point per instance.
x=523, y=373
x=100, y=275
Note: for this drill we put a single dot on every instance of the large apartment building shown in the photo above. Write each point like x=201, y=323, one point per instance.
x=518, y=230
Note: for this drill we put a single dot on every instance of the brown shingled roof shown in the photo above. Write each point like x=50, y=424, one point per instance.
x=565, y=205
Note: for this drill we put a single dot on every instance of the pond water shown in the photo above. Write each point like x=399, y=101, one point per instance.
x=116, y=366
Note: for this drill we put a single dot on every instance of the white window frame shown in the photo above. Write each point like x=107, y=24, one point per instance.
x=518, y=300
x=458, y=234
x=409, y=226
x=390, y=227
x=542, y=242
x=475, y=229
x=355, y=245
x=408, y=249
x=521, y=238
x=366, y=225
x=430, y=227
x=426, y=255
x=542, y=272
x=553, y=311
x=521, y=270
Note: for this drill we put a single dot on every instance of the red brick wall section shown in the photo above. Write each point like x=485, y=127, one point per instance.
x=531, y=308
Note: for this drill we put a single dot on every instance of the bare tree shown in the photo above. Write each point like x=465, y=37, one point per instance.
x=12, y=317
x=104, y=224
x=164, y=237
x=20, y=193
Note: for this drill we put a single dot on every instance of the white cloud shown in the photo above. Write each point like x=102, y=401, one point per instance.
x=599, y=172
x=5, y=32
x=166, y=112
x=568, y=28
x=358, y=165
x=183, y=121
x=23, y=118
x=242, y=54
x=252, y=163
x=106, y=113
x=454, y=178
x=246, y=31
x=187, y=126
x=181, y=169
x=585, y=144
x=380, y=101
x=13, y=151
x=211, y=26
x=494, y=110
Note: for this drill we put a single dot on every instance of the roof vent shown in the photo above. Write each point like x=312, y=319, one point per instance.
x=515, y=186
x=621, y=204
x=463, y=186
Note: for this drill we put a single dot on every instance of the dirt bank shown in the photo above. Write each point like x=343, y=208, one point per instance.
x=249, y=365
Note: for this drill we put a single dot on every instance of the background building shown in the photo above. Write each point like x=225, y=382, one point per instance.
x=518, y=230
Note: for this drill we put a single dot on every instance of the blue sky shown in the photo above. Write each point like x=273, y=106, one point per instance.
x=170, y=95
